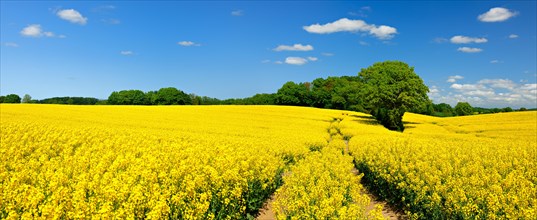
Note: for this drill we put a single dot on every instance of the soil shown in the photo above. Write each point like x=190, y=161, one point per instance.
x=266, y=212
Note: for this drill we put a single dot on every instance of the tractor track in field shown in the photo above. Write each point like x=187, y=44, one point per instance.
x=388, y=211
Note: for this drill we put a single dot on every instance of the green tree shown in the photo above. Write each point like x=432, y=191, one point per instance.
x=172, y=96
x=12, y=98
x=507, y=109
x=391, y=88
x=294, y=94
x=150, y=98
x=26, y=98
x=443, y=110
x=127, y=97
x=2, y=99
x=463, y=108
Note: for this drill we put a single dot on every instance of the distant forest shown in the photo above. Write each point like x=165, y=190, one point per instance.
x=332, y=93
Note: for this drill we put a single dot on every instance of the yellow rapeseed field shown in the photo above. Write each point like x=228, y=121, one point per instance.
x=223, y=162
x=472, y=167
x=180, y=162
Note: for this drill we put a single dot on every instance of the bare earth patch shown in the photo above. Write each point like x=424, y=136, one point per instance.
x=266, y=212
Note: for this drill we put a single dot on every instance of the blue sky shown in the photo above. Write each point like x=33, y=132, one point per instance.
x=483, y=52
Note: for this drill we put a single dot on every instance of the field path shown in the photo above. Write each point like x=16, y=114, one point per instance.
x=389, y=212
x=266, y=212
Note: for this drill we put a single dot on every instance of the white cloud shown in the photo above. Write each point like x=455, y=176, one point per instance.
x=35, y=30
x=295, y=60
x=327, y=54
x=498, y=83
x=433, y=91
x=469, y=49
x=496, y=15
x=126, y=53
x=313, y=58
x=237, y=13
x=513, y=36
x=72, y=16
x=344, y=24
x=466, y=40
x=383, y=32
x=11, y=44
x=492, y=93
x=48, y=34
x=188, y=44
x=295, y=47
x=494, y=61
x=452, y=79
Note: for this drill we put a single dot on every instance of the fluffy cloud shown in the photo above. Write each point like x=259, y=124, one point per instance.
x=496, y=15
x=313, y=58
x=513, y=36
x=466, y=40
x=295, y=47
x=491, y=93
x=126, y=53
x=188, y=44
x=295, y=60
x=237, y=13
x=72, y=16
x=469, y=49
x=35, y=30
x=452, y=79
x=344, y=24
x=498, y=83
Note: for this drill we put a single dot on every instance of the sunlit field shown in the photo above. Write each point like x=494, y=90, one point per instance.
x=471, y=167
x=224, y=162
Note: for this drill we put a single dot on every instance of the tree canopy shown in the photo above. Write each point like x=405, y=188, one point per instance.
x=391, y=88
x=464, y=108
x=12, y=98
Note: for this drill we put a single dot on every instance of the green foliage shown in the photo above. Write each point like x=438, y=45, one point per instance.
x=12, y=98
x=443, y=110
x=27, y=99
x=463, y=108
x=2, y=99
x=507, y=109
x=391, y=88
x=172, y=96
x=69, y=100
x=337, y=93
x=127, y=97
x=294, y=94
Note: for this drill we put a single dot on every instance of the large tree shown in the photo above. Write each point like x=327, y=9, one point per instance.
x=172, y=96
x=294, y=94
x=464, y=108
x=27, y=98
x=390, y=89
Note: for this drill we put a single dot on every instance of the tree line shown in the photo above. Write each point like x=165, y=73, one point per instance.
x=385, y=90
